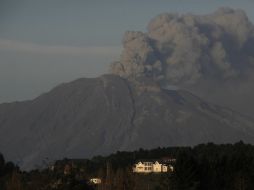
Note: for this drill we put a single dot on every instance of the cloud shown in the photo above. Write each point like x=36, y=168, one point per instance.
x=210, y=55
x=27, y=47
x=184, y=49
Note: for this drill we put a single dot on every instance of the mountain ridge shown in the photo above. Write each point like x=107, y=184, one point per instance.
x=88, y=117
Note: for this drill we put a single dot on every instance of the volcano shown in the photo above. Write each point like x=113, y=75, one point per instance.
x=98, y=116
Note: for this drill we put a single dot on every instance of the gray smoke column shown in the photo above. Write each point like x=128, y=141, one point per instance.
x=186, y=49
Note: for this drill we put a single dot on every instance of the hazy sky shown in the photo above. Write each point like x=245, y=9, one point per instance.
x=47, y=42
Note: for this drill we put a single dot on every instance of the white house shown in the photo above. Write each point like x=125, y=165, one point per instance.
x=95, y=180
x=149, y=167
x=143, y=167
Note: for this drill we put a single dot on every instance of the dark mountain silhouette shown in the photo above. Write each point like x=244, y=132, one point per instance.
x=88, y=117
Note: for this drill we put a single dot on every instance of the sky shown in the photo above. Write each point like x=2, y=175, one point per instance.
x=47, y=42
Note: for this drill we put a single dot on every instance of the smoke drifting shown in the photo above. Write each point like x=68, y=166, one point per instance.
x=186, y=49
x=211, y=55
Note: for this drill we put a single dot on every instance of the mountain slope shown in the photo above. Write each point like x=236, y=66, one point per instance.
x=97, y=116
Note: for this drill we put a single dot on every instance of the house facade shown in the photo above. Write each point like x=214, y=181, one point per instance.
x=95, y=180
x=149, y=167
x=143, y=167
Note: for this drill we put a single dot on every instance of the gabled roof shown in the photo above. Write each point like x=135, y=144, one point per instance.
x=164, y=160
x=148, y=160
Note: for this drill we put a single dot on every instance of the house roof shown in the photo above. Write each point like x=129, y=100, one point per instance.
x=164, y=160
x=146, y=160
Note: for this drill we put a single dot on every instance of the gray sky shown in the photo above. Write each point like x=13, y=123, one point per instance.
x=47, y=42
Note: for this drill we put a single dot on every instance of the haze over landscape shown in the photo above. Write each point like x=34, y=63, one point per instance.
x=185, y=79
x=75, y=39
x=127, y=95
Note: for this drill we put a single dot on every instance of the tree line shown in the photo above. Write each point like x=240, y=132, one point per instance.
x=203, y=167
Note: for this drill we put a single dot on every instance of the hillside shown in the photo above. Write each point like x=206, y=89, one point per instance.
x=205, y=166
x=88, y=117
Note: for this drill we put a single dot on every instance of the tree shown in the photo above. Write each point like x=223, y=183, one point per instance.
x=119, y=183
x=15, y=182
x=185, y=176
x=2, y=163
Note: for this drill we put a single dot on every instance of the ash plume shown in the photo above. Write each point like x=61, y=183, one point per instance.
x=183, y=49
x=192, y=51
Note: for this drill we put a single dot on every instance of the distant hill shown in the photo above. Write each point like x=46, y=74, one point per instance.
x=95, y=116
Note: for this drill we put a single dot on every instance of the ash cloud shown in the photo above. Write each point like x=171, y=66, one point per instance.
x=192, y=51
x=183, y=49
